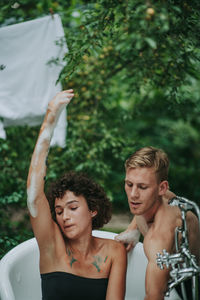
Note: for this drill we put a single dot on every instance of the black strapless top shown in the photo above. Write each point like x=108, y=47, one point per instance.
x=67, y=286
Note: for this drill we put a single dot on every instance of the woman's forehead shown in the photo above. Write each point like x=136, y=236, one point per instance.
x=69, y=198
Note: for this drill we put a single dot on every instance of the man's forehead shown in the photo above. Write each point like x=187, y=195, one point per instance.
x=140, y=172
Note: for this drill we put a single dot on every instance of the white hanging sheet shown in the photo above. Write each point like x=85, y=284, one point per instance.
x=28, y=82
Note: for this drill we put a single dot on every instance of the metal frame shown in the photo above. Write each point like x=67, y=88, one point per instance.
x=183, y=264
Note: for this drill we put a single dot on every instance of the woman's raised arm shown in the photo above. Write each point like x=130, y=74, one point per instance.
x=36, y=200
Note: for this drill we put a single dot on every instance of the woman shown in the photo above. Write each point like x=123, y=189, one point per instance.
x=74, y=265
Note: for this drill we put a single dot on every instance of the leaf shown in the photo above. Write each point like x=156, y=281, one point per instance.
x=151, y=42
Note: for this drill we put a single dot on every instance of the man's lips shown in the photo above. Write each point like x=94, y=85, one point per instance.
x=135, y=204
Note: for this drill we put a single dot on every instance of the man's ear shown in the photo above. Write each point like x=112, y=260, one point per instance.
x=93, y=213
x=163, y=187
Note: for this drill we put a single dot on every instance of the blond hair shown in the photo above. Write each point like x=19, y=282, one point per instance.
x=150, y=157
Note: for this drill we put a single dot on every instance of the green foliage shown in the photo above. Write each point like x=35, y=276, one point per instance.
x=152, y=47
x=15, y=153
x=134, y=67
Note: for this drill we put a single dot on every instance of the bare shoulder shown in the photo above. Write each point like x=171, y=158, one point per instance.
x=193, y=234
x=174, y=218
x=161, y=235
x=192, y=223
x=116, y=246
x=162, y=232
x=168, y=218
x=113, y=247
x=192, y=218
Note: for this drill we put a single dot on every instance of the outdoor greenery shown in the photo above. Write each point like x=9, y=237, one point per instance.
x=134, y=67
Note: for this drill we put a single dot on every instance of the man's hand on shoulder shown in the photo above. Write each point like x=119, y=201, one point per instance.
x=129, y=237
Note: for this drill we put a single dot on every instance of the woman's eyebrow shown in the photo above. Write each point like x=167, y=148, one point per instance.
x=68, y=203
x=71, y=201
x=58, y=206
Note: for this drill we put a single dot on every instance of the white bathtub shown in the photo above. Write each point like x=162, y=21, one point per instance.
x=20, y=278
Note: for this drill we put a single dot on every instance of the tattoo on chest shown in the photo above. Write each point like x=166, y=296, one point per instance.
x=70, y=254
x=98, y=261
x=105, y=258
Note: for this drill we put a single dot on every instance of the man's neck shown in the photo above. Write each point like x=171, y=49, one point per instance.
x=150, y=215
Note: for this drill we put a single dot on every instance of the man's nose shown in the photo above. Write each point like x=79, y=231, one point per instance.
x=134, y=192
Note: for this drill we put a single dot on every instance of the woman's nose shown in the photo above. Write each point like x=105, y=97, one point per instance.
x=66, y=214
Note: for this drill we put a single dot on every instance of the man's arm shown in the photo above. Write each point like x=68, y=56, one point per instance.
x=130, y=237
x=156, y=280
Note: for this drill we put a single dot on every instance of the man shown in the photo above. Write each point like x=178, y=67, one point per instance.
x=146, y=187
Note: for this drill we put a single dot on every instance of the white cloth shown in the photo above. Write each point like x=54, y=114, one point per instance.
x=28, y=82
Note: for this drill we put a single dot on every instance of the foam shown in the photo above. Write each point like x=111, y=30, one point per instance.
x=42, y=149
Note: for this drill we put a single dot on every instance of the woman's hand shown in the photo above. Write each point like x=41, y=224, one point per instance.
x=60, y=100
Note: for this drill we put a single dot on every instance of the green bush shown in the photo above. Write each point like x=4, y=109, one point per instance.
x=134, y=68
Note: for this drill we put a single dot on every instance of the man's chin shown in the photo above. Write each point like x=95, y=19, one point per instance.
x=136, y=212
x=135, y=209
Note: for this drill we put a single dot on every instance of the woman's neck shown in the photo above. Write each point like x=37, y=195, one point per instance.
x=81, y=247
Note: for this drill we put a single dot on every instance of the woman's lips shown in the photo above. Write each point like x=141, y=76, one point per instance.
x=68, y=226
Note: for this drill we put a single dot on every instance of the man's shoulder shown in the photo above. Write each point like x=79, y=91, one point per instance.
x=161, y=235
x=191, y=217
x=167, y=217
x=192, y=223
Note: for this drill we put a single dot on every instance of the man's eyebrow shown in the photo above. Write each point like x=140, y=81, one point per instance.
x=138, y=183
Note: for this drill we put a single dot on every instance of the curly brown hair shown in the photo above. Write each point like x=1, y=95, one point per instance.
x=81, y=185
